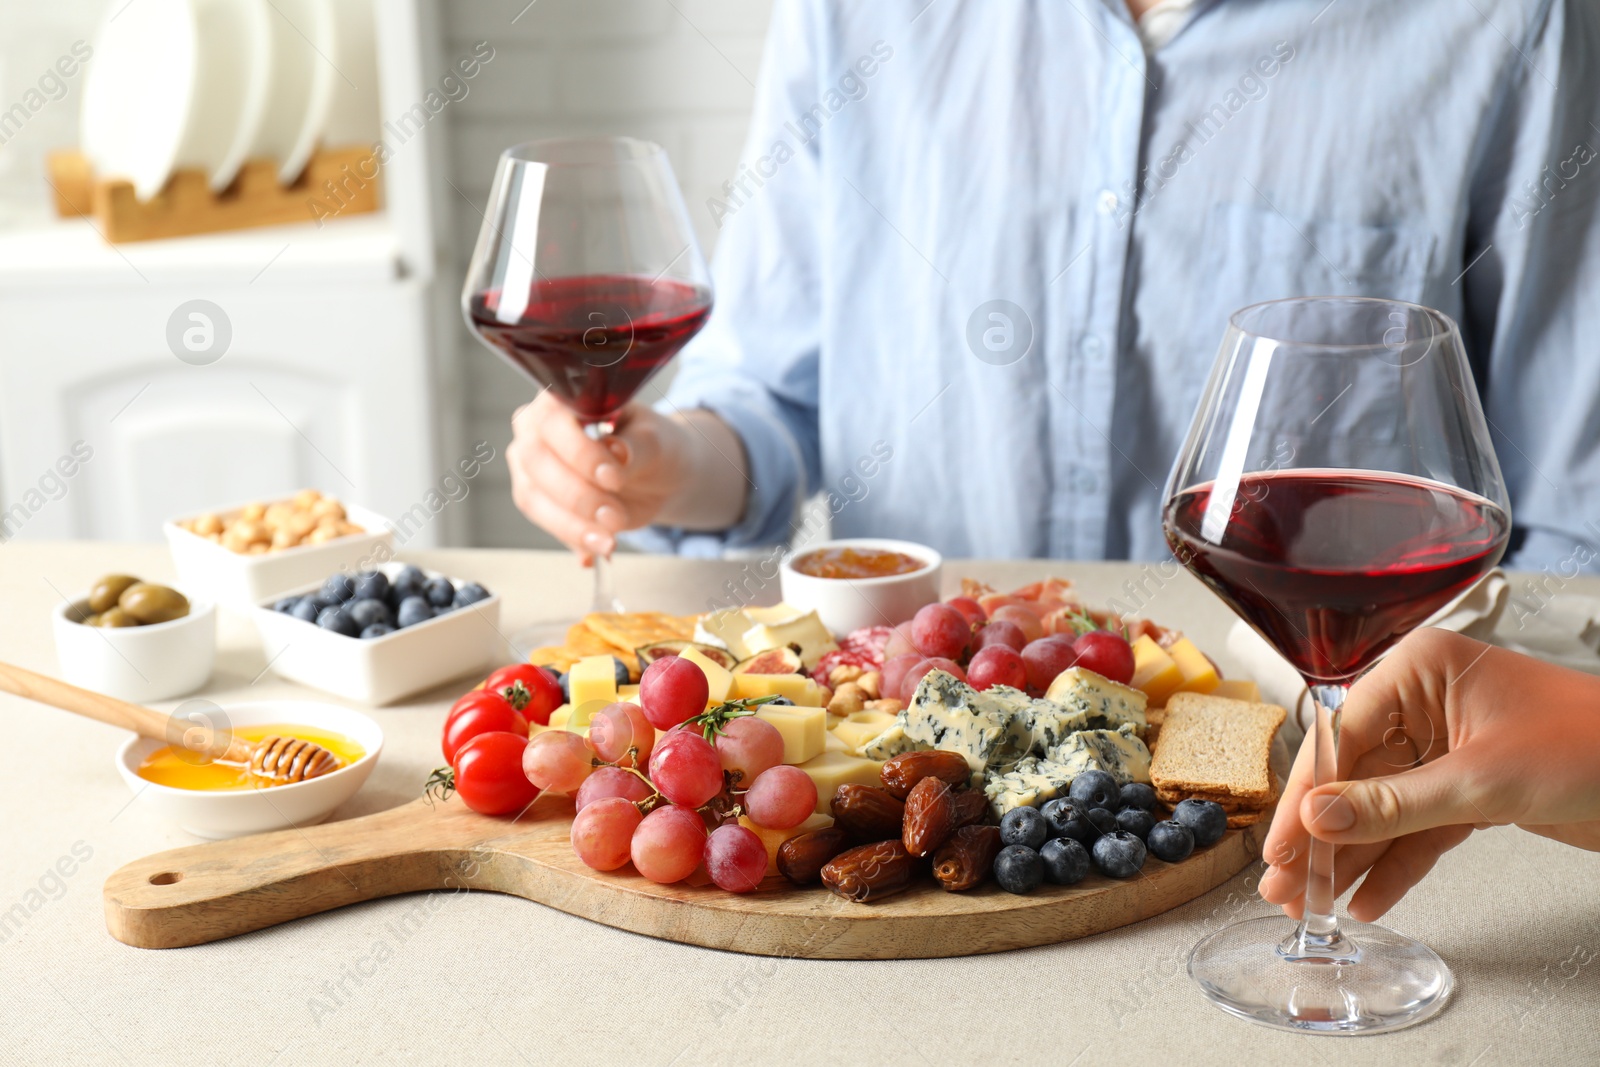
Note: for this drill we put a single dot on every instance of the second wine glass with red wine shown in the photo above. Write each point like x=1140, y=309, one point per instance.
x=587, y=278
x=1337, y=488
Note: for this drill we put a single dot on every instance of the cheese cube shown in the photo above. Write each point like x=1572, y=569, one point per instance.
x=593, y=678
x=630, y=693
x=1238, y=689
x=833, y=769
x=558, y=718
x=833, y=744
x=718, y=678
x=774, y=838
x=804, y=730
x=796, y=687
x=881, y=718
x=1154, y=671
x=853, y=735
x=1199, y=676
x=806, y=631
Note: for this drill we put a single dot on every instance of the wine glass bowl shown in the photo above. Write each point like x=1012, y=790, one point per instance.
x=587, y=277
x=1337, y=487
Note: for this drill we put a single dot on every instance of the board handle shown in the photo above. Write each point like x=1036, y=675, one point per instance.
x=202, y=893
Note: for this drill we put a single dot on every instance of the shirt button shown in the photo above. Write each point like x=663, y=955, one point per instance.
x=1091, y=347
x=1107, y=203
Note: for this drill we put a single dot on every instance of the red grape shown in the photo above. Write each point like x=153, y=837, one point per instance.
x=602, y=832
x=558, y=761
x=669, y=844
x=1107, y=654
x=1046, y=658
x=997, y=665
x=685, y=768
x=913, y=678
x=1002, y=633
x=671, y=690
x=611, y=782
x=736, y=859
x=1022, y=618
x=940, y=631
x=781, y=798
x=899, y=643
x=748, y=746
x=617, y=727
x=894, y=673
x=969, y=608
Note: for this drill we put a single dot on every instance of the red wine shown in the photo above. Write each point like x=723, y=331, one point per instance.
x=594, y=340
x=1335, y=566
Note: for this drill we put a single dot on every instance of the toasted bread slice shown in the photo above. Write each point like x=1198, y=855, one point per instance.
x=1230, y=803
x=1211, y=746
x=1246, y=818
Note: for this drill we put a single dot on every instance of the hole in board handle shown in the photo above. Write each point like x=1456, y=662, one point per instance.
x=166, y=878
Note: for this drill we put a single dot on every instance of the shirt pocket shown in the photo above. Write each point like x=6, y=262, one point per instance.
x=1250, y=254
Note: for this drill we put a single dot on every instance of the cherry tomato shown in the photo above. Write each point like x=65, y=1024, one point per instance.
x=544, y=692
x=489, y=774
x=1107, y=654
x=479, y=712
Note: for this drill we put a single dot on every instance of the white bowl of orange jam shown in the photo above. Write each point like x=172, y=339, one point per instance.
x=861, y=581
x=213, y=800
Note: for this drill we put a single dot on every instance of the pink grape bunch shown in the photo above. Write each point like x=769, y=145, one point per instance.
x=665, y=804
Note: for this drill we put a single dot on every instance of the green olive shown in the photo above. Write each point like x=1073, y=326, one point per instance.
x=115, y=617
x=107, y=591
x=153, y=603
x=88, y=620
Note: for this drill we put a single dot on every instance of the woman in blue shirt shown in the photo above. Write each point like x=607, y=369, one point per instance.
x=977, y=259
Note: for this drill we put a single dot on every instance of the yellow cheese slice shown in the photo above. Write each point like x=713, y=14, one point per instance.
x=833, y=769
x=806, y=631
x=1238, y=689
x=1199, y=676
x=718, y=678
x=852, y=735
x=796, y=687
x=774, y=838
x=1154, y=671
x=836, y=745
x=593, y=678
x=629, y=693
x=804, y=730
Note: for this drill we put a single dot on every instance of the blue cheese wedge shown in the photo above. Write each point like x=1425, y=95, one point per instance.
x=988, y=729
x=1120, y=753
x=892, y=742
x=1104, y=704
x=1030, y=782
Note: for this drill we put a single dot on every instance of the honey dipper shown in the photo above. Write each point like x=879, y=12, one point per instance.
x=280, y=759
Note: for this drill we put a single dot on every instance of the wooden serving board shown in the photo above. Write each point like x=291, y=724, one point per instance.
x=190, y=896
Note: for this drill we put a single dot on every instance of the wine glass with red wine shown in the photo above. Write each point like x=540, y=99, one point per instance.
x=587, y=277
x=1337, y=488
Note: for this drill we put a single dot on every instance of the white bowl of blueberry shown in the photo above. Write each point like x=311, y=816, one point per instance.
x=380, y=635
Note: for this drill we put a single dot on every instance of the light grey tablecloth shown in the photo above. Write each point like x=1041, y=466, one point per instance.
x=481, y=977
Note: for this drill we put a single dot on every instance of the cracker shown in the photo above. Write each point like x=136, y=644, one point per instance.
x=1213, y=746
x=635, y=629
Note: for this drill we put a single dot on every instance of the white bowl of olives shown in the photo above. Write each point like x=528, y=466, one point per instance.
x=136, y=641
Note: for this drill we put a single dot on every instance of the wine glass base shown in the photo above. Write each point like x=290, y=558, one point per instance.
x=1389, y=982
x=545, y=634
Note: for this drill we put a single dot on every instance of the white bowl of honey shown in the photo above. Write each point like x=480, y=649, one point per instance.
x=215, y=799
x=861, y=581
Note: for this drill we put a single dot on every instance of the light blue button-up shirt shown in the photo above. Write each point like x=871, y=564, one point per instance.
x=976, y=262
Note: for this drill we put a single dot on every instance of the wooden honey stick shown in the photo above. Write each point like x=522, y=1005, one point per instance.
x=280, y=759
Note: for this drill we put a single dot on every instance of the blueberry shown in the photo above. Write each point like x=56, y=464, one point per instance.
x=441, y=593
x=286, y=604
x=1119, y=855
x=368, y=612
x=1102, y=820
x=620, y=669
x=470, y=593
x=323, y=599
x=1065, y=861
x=413, y=609
x=338, y=588
x=408, y=583
x=377, y=629
x=780, y=702
x=564, y=680
x=1135, y=821
x=338, y=620
x=1018, y=869
x=1024, y=826
x=1205, y=818
x=1095, y=789
x=1138, y=795
x=372, y=585
x=1069, y=819
x=1170, y=841
x=305, y=609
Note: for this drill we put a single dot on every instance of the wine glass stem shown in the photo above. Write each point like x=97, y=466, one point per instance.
x=1318, y=933
x=605, y=597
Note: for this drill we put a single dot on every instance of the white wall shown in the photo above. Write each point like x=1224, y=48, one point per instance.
x=678, y=72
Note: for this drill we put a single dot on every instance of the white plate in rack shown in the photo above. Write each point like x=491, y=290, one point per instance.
x=302, y=84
